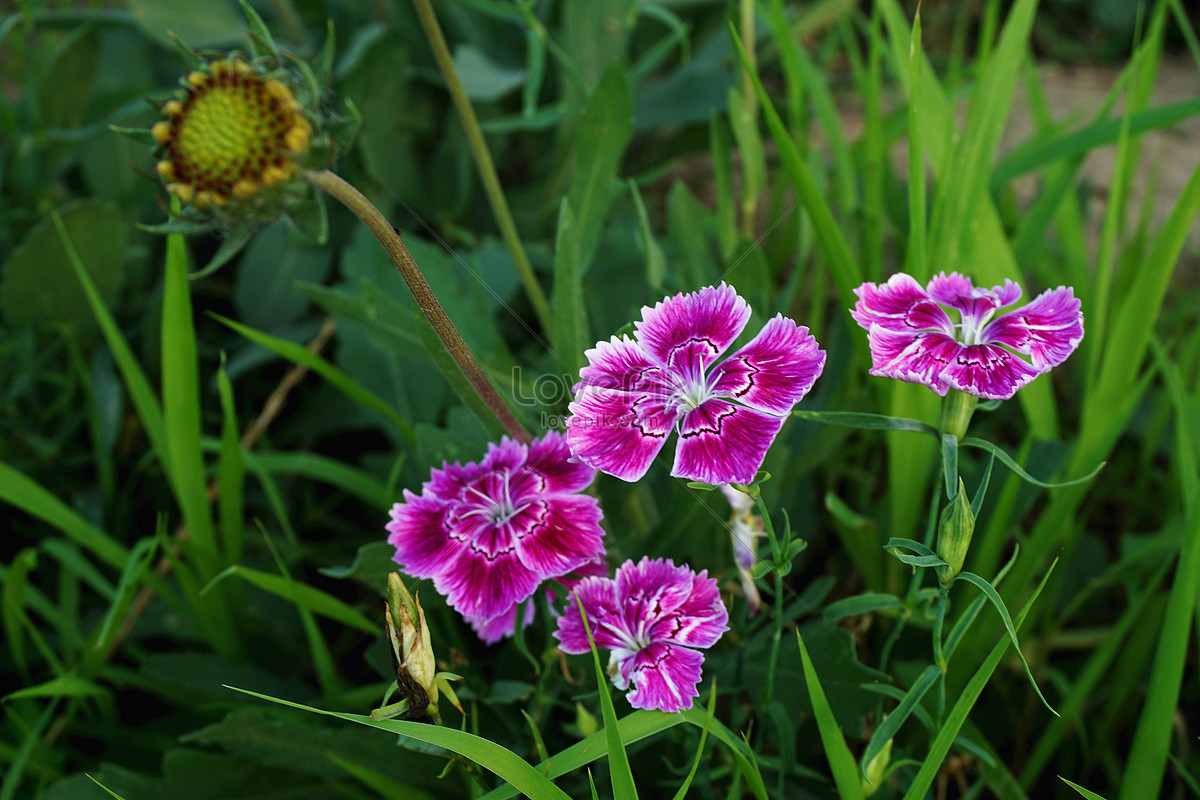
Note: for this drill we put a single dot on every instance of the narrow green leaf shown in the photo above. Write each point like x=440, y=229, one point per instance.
x=865, y=421
x=708, y=717
x=958, y=714
x=231, y=473
x=994, y=596
x=656, y=262
x=111, y=793
x=892, y=722
x=862, y=604
x=950, y=463
x=487, y=754
x=138, y=562
x=1040, y=152
x=303, y=595
x=916, y=260
x=1008, y=461
x=317, y=467
x=618, y=759
x=1090, y=795
x=181, y=408
x=1151, y=742
x=842, y=266
x=19, y=490
x=300, y=354
x=841, y=761
x=136, y=382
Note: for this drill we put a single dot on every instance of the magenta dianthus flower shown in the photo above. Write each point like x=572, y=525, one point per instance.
x=653, y=617
x=913, y=339
x=489, y=533
x=502, y=626
x=634, y=392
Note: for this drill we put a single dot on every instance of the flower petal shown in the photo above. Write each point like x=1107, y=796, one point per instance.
x=550, y=468
x=507, y=454
x=665, y=677
x=449, y=481
x=723, y=443
x=1048, y=329
x=957, y=291
x=916, y=358
x=690, y=331
x=700, y=620
x=618, y=364
x=774, y=371
x=899, y=305
x=418, y=532
x=599, y=599
x=477, y=585
x=501, y=626
x=617, y=433
x=989, y=371
x=559, y=533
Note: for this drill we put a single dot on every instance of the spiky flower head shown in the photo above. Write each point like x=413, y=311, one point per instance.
x=231, y=133
x=238, y=135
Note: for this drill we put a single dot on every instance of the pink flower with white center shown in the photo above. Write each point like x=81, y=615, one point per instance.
x=653, y=617
x=634, y=392
x=913, y=339
x=489, y=533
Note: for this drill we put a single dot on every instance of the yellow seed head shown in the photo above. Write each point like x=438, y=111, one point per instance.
x=231, y=133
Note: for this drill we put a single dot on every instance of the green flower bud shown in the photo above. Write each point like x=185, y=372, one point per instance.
x=954, y=535
x=876, y=769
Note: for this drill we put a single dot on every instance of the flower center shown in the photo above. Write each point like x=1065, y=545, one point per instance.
x=972, y=326
x=691, y=394
x=497, y=508
x=231, y=134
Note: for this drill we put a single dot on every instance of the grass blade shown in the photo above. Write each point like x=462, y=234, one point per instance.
x=489, y=755
x=301, y=594
x=618, y=759
x=841, y=761
x=299, y=354
x=570, y=320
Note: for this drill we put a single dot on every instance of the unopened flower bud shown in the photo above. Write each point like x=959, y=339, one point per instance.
x=412, y=651
x=876, y=769
x=954, y=535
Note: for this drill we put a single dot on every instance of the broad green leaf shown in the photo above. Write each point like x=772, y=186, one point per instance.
x=452, y=372
x=602, y=135
x=265, y=290
x=215, y=24
x=570, y=319
x=36, y=283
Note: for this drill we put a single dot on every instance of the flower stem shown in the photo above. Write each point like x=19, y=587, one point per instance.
x=957, y=408
x=483, y=160
x=426, y=301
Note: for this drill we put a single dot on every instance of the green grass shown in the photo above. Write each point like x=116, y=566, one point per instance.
x=195, y=475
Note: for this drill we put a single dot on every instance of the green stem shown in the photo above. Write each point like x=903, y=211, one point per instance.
x=483, y=160
x=957, y=408
x=426, y=301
